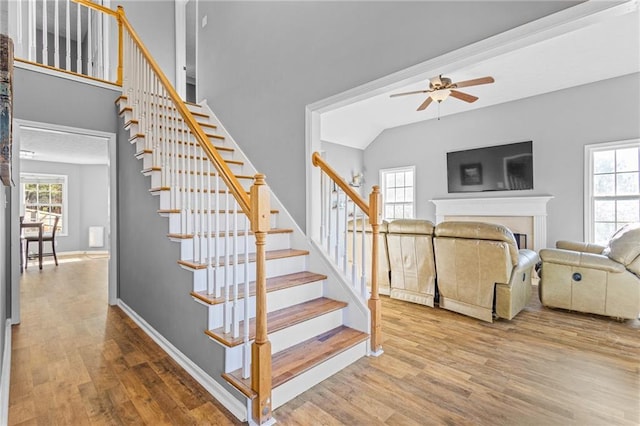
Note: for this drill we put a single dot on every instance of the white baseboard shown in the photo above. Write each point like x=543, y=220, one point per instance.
x=5, y=377
x=235, y=406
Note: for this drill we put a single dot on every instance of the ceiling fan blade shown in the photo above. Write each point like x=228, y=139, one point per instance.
x=425, y=104
x=474, y=82
x=408, y=93
x=463, y=96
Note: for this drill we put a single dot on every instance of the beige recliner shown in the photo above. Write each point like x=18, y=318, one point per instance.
x=383, y=257
x=481, y=272
x=413, y=270
x=603, y=280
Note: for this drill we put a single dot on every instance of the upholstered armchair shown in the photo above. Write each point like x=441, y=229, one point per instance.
x=603, y=280
x=481, y=272
x=383, y=257
x=413, y=269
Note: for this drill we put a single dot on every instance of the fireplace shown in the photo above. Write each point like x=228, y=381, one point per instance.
x=523, y=215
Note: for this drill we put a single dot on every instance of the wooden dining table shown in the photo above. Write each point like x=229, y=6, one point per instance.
x=40, y=226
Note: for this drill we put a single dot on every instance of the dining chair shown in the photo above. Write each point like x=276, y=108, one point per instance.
x=48, y=237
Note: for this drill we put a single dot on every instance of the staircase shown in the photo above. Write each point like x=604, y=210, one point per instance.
x=307, y=327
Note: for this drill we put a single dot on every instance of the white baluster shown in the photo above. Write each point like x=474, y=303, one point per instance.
x=78, y=39
x=246, y=350
x=32, y=30
x=227, y=278
x=45, y=34
x=211, y=252
x=354, y=269
x=67, y=63
x=216, y=219
x=363, y=279
x=89, y=44
x=56, y=35
x=337, y=229
x=19, y=39
x=236, y=274
x=343, y=235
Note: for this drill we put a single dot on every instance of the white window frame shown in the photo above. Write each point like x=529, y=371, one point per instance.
x=589, y=150
x=65, y=195
x=383, y=187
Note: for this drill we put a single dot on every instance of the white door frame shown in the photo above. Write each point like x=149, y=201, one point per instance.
x=181, y=48
x=112, y=226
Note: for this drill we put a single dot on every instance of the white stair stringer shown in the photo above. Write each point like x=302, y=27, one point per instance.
x=354, y=314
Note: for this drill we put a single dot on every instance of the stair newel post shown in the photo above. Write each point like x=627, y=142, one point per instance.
x=261, y=348
x=375, y=202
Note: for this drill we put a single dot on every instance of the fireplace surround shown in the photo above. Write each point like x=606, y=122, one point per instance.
x=503, y=210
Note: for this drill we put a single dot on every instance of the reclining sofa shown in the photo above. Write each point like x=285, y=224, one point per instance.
x=478, y=268
x=603, y=280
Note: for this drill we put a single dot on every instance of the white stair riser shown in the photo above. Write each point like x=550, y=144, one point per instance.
x=177, y=224
x=208, y=248
x=194, y=200
x=274, y=268
x=148, y=162
x=275, y=300
x=289, y=390
x=156, y=179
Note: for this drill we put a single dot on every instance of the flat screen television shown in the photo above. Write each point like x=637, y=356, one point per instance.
x=493, y=168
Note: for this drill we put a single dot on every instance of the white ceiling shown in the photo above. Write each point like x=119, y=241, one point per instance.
x=63, y=147
x=598, y=51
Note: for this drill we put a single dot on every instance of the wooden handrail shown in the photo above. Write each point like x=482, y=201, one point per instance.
x=318, y=161
x=97, y=7
x=225, y=172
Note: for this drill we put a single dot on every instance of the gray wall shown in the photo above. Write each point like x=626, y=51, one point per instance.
x=345, y=160
x=88, y=199
x=48, y=99
x=261, y=63
x=559, y=123
x=150, y=280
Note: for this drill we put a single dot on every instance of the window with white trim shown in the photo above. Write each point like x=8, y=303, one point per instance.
x=612, y=188
x=398, y=193
x=44, y=197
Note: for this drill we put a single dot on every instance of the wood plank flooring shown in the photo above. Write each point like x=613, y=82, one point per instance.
x=77, y=361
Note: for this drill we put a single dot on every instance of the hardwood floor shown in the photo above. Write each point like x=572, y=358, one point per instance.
x=78, y=361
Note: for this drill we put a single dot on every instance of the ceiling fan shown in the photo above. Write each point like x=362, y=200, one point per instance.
x=440, y=88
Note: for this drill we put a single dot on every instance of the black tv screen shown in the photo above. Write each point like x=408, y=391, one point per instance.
x=493, y=168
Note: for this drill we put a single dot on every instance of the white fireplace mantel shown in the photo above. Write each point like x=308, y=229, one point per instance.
x=532, y=206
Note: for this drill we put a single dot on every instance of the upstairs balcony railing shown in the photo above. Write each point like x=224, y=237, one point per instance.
x=74, y=36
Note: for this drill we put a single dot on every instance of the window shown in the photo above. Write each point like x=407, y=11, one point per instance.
x=45, y=197
x=612, y=188
x=398, y=193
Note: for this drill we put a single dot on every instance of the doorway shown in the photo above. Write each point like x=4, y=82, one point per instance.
x=85, y=160
x=186, y=49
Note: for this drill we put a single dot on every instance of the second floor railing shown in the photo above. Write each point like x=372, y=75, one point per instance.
x=349, y=234
x=73, y=36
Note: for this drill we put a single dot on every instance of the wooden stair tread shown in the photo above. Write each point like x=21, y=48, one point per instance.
x=281, y=319
x=273, y=284
x=270, y=255
x=240, y=233
x=294, y=361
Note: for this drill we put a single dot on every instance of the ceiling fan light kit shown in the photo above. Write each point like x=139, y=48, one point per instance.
x=440, y=88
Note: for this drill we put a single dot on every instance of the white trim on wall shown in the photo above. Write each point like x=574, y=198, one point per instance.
x=588, y=181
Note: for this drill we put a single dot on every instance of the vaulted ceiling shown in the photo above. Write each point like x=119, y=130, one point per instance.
x=594, y=50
